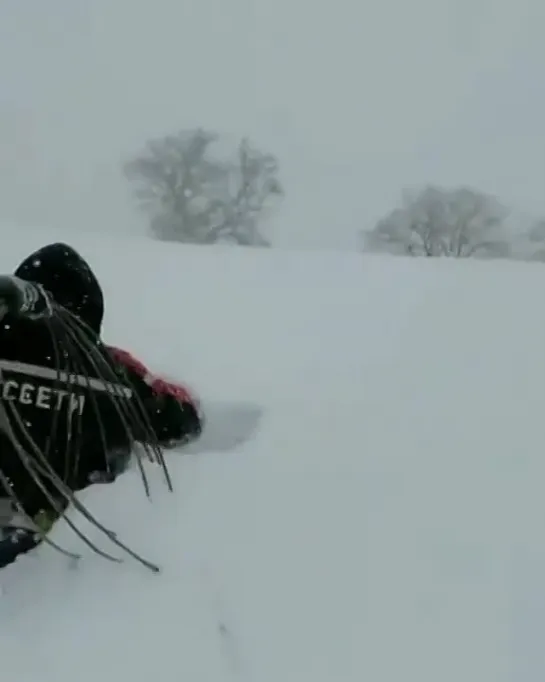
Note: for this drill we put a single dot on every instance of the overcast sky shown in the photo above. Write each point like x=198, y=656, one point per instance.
x=357, y=99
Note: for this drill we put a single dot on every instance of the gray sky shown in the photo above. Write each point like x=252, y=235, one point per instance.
x=357, y=99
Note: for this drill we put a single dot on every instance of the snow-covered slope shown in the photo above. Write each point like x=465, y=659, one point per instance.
x=383, y=523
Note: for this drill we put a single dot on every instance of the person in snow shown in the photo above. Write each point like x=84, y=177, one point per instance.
x=72, y=409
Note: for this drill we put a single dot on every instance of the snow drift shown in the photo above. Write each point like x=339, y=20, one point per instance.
x=367, y=503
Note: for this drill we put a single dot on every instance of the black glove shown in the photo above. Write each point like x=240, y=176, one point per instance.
x=21, y=298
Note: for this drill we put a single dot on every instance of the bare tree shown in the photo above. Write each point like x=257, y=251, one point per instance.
x=434, y=221
x=196, y=198
x=536, y=240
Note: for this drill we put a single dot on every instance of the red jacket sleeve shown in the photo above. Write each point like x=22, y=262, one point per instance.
x=173, y=412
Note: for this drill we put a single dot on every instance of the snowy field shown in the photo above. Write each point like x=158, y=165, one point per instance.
x=383, y=522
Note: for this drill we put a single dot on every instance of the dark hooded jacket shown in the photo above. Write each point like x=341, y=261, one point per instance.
x=67, y=401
